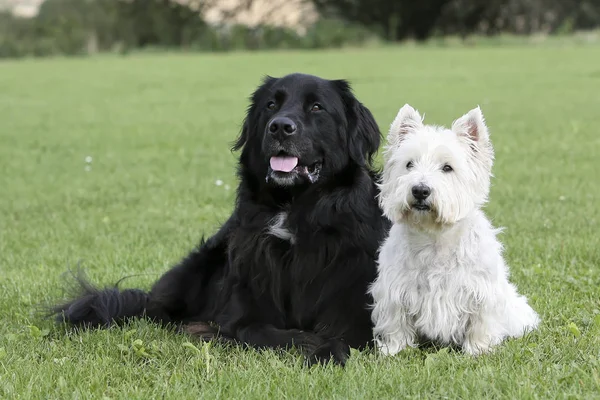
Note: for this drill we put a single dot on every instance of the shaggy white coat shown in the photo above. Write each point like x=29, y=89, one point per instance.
x=441, y=274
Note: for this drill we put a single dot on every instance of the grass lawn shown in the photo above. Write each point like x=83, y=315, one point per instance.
x=157, y=130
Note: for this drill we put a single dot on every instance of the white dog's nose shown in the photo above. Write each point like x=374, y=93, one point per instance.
x=421, y=191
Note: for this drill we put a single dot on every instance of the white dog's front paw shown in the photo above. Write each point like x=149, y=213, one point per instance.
x=392, y=345
x=476, y=349
x=481, y=344
x=482, y=338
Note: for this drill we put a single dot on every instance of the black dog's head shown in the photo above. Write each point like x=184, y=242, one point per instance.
x=301, y=129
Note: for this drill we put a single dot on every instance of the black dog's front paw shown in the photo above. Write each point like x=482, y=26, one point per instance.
x=334, y=350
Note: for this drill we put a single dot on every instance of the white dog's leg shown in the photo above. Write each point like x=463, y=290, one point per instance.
x=393, y=330
x=509, y=315
x=519, y=317
x=481, y=336
x=392, y=343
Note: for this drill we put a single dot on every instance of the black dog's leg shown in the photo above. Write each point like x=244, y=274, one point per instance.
x=178, y=294
x=316, y=349
x=257, y=325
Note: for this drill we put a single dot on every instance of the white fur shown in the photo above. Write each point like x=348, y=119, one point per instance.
x=278, y=228
x=441, y=272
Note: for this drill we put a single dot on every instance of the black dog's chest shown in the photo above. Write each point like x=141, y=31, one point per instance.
x=286, y=272
x=281, y=228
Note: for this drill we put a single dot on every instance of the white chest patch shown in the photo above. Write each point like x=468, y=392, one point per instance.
x=278, y=229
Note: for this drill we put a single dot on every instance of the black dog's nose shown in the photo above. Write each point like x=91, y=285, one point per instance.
x=421, y=192
x=282, y=127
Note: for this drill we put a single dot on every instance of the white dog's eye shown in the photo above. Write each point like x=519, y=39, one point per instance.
x=447, y=168
x=409, y=165
x=316, y=107
x=271, y=105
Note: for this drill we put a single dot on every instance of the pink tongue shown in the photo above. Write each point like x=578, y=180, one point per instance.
x=284, y=164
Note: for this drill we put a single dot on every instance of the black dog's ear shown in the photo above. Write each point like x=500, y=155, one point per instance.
x=248, y=125
x=364, y=135
x=243, y=137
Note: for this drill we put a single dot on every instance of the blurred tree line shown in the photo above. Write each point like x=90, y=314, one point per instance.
x=74, y=27
x=420, y=19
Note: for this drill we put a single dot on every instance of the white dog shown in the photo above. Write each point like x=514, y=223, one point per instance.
x=442, y=276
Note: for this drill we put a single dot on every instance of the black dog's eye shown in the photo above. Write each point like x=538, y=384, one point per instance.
x=447, y=168
x=409, y=165
x=316, y=107
x=271, y=105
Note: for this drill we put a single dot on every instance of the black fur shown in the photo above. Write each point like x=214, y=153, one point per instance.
x=262, y=290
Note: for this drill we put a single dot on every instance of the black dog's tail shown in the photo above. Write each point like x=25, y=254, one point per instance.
x=93, y=307
x=180, y=294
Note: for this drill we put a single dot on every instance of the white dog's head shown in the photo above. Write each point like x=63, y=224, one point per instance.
x=435, y=176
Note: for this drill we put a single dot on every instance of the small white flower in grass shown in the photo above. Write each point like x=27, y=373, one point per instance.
x=88, y=159
x=562, y=198
x=219, y=182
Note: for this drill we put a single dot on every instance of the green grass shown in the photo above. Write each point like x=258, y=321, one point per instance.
x=158, y=129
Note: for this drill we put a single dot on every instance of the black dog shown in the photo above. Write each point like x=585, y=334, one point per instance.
x=292, y=264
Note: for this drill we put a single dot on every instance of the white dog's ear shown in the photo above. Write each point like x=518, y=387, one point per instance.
x=472, y=125
x=408, y=120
